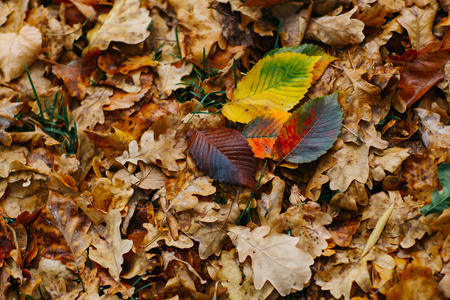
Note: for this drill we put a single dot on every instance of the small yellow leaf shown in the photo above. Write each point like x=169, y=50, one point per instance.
x=375, y=235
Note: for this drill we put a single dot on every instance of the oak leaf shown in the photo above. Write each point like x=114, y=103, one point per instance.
x=307, y=222
x=10, y=154
x=275, y=258
x=180, y=191
x=149, y=178
x=18, y=49
x=389, y=160
x=62, y=230
x=90, y=113
x=239, y=284
x=435, y=135
x=170, y=77
x=163, y=152
x=8, y=111
x=417, y=282
x=154, y=236
x=419, y=24
x=201, y=30
x=127, y=22
x=108, y=247
x=336, y=31
x=212, y=233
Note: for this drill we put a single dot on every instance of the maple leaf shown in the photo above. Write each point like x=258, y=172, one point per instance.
x=18, y=49
x=336, y=31
x=275, y=258
x=127, y=22
x=163, y=152
x=108, y=247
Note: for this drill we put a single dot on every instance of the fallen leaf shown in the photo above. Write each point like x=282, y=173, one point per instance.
x=435, y=135
x=378, y=229
x=310, y=131
x=275, y=83
x=8, y=111
x=19, y=49
x=126, y=22
x=90, y=113
x=62, y=230
x=180, y=192
x=262, y=131
x=275, y=258
x=76, y=74
x=122, y=100
x=201, y=30
x=163, y=152
x=224, y=154
x=440, y=199
x=390, y=160
x=421, y=75
x=336, y=31
x=419, y=24
x=239, y=284
x=108, y=247
x=416, y=281
x=170, y=76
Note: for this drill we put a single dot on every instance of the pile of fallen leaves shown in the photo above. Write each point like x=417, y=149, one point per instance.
x=101, y=198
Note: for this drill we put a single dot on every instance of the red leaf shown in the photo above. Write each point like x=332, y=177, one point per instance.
x=262, y=132
x=421, y=75
x=224, y=154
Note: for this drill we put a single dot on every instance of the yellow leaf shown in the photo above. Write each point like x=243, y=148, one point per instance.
x=276, y=82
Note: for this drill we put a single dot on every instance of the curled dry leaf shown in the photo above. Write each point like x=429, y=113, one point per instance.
x=224, y=154
x=170, y=77
x=127, y=22
x=435, y=135
x=8, y=111
x=90, y=113
x=18, y=49
x=275, y=258
x=336, y=31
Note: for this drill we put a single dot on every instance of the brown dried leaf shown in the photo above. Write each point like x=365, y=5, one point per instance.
x=163, y=152
x=18, y=49
x=336, y=31
x=419, y=24
x=108, y=247
x=8, y=111
x=127, y=22
x=390, y=160
x=275, y=258
x=90, y=113
x=62, y=230
x=435, y=135
x=170, y=76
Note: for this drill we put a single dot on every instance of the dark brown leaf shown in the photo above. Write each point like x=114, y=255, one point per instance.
x=224, y=154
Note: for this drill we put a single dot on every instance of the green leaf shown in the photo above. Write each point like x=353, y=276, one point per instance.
x=440, y=200
x=276, y=82
x=310, y=131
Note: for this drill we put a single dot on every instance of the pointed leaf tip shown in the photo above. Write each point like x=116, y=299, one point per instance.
x=224, y=154
x=310, y=131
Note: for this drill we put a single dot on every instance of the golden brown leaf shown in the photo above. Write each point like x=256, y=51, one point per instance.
x=18, y=49
x=337, y=31
x=415, y=282
x=170, y=76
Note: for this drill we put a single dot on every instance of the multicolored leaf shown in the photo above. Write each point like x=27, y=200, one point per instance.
x=310, y=131
x=276, y=83
x=224, y=154
x=310, y=50
x=262, y=132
